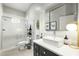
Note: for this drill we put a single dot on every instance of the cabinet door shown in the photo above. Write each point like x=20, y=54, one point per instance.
x=36, y=50
x=42, y=51
x=49, y=53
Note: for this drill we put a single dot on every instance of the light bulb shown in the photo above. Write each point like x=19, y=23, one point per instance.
x=71, y=27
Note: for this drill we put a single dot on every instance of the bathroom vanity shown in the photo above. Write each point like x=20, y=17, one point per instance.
x=41, y=51
x=41, y=48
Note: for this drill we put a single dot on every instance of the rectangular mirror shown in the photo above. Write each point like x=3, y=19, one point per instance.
x=62, y=14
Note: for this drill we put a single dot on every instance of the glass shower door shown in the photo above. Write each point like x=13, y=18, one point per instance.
x=8, y=37
x=13, y=31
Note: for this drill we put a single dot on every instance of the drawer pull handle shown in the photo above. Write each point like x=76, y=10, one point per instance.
x=44, y=52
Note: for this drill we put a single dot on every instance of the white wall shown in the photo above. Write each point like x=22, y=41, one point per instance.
x=1, y=13
x=32, y=16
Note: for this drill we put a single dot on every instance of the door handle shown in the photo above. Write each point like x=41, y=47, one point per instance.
x=3, y=29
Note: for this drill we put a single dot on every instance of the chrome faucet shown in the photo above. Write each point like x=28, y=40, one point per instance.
x=41, y=35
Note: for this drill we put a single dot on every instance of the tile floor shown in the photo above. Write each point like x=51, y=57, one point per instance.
x=16, y=52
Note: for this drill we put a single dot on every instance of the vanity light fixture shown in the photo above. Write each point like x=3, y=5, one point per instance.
x=71, y=27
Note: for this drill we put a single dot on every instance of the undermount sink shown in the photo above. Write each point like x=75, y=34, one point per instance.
x=55, y=41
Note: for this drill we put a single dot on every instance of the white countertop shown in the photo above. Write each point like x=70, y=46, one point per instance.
x=65, y=50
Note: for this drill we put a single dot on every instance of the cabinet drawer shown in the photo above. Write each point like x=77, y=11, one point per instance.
x=45, y=52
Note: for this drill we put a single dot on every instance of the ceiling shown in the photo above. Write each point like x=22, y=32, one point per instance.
x=25, y=6
x=18, y=6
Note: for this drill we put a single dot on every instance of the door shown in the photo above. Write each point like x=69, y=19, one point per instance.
x=12, y=32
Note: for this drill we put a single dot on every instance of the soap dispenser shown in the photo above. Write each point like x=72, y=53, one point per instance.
x=66, y=40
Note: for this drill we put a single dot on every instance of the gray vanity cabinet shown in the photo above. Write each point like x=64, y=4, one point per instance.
x=41, y=51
